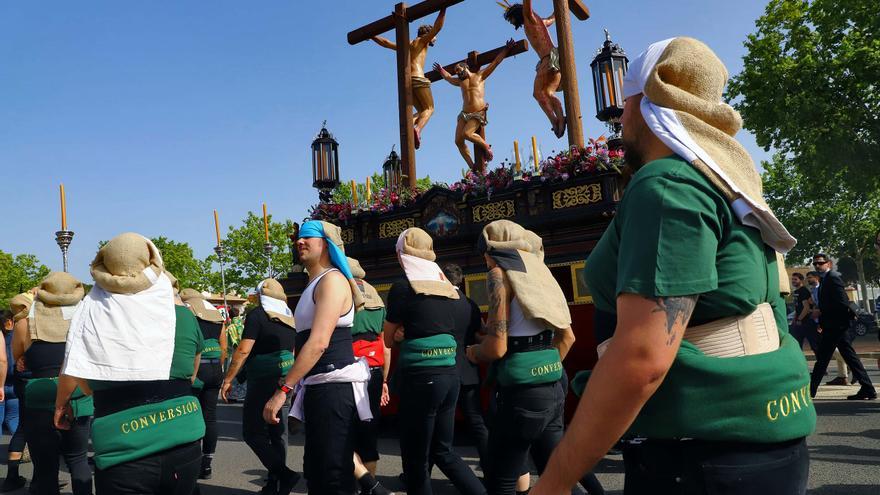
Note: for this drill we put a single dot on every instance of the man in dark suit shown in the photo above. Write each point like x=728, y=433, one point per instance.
x=835, y=315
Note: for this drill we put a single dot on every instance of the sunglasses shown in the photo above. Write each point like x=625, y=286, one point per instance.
x=819, y=263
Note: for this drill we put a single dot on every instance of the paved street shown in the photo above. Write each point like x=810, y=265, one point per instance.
x=845, y=452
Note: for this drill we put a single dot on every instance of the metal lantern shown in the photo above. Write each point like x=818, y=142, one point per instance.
x=325, y=163
x=392, y=171
x=609, y=66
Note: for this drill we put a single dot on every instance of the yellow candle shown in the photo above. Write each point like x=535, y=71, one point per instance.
x=63, y=210
x=265, y=222
x=516, y=154
x=535, y=152
x=217, y=226
x=354, y=192
x=369, y=192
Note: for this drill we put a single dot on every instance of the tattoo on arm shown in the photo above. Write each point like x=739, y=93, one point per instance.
x=677, y=310
x=497, y=328
x=497, y=324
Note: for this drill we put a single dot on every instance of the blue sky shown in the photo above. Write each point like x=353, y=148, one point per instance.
x=155, y=113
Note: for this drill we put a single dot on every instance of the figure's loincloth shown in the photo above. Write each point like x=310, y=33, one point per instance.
x=420, y=82
x=480, y=116
x=551, y=61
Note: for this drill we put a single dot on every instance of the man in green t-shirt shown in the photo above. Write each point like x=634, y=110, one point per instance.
x=700, y=368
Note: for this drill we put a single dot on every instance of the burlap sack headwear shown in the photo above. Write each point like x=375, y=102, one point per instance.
x=683, y=81
x=175, y=284
x=200, y=306
x=372, y=300
x=415, y=249
x=538, y=293
x=119, y=265
x=274, y=302
x=21, y=306
x=53, y=308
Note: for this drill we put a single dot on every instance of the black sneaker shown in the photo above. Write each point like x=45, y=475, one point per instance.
x=12, y=484
x=288, y=480
x=864, y=393
x=206, y=473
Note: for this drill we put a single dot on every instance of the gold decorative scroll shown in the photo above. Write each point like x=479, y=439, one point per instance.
x=493, y=211
x=393, y=228
x=347, y=236
x=577, y=196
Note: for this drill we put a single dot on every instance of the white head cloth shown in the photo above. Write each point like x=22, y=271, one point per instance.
x=419, y=269
x=123, y=337
x=668, y=128
x=270, y=304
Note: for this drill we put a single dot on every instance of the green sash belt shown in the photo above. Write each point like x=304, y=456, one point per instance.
x=39, y=393
x=272, y=365
x=198, y=385
x=436, y=350
x=211, y=349
x=759, y=398
x=145, y=430
x=529, y=368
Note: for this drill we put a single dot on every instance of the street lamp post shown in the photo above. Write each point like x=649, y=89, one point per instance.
x=608, y=68
x=325, y=163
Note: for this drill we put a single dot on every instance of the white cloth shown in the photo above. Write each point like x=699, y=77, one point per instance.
x=123, y=337
x=357, y=373
x=668, y=128
x=418, y=269
x=272, y=304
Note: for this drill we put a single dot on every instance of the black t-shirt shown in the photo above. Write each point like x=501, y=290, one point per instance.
x=801, y=295
x=268, y=335
x=467, y=323
x=44, y=359
x=421, y=315
x=210, y=330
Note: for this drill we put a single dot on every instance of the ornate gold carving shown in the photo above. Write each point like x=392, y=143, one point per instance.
x=577, y=196
x=493, y=211
x=347, y=236
x=393, y=228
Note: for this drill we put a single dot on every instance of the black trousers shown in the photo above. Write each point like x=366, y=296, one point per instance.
x=837, y=338
x=265, y=440
x=212, y=375
x=17, y=442
x=366, y=439
x=330, y=422
x=471, y=407
x=427, y=421
x=716, y=468
x=806, y=331
x=47, y=444
x=171, y=472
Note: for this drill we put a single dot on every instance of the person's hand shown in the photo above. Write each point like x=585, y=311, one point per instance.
x=439, y=68
x=63, y=417
x=2, y=394
x=224, y=390
x=399, y=335
x=509, y=45
x=386, y=397
x=471, y=353
x=270, y=412
x=20, y=365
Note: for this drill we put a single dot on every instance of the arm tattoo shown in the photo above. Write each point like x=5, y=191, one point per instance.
x=677, y=309
x=495, y=282
x=497, y=324
x=497, y=328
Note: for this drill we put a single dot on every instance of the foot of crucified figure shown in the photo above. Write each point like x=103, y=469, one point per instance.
x=559, y=126
x=417, y=137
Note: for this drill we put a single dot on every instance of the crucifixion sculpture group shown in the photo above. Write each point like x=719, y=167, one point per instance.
x=555, y=71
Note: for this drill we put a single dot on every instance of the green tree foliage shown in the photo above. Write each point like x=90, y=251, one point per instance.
x=809, y=87
x=17, y=274
x=245, y=261
x=180, y=261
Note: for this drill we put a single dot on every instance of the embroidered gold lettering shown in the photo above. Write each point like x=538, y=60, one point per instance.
x=784, y=406
x=153, y=418
x=795, y=402
x=770, y=414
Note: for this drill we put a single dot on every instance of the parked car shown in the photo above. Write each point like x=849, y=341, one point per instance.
x=863, y=322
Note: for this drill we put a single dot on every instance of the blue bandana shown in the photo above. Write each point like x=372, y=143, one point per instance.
x=314, y=228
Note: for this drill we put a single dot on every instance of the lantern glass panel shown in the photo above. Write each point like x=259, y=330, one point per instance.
x=597, y=90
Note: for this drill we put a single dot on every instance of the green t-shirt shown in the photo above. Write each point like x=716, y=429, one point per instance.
x=368, y=321
x=675, y=235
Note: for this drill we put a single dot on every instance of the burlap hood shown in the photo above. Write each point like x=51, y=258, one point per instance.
x=415, y=249
x=200, y=306
x=372, y=300
x=21, y=306
x=119, y=266
x=53, y=307
x=683, y=81
x=520, y=253
x=274, y=302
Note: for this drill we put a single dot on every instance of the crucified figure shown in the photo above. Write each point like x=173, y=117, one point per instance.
x=547, y=72
x=474, y=106
x=423, y=100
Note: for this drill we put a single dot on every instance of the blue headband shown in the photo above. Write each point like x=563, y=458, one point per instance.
x=314, y=228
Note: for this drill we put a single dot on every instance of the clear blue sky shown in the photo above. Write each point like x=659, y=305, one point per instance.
x=155, y=113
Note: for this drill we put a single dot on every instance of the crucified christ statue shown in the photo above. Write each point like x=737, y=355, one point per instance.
x=422, y=98
x=474, y=106
x=547, y=72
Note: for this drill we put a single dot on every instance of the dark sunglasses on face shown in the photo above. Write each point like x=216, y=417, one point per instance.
x=819, y=263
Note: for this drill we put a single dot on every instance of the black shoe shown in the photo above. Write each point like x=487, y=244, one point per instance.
x=288, y=480
x=206, y=472
x=12, y=484
x=864, y=393
x=840, y=380
x=271, y=487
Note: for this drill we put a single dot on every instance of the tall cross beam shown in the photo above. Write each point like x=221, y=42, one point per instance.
x=572, y=99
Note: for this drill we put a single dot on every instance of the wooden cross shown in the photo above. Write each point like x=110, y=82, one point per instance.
x=399, y=21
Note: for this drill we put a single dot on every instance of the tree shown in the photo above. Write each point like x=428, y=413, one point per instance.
x=180, y=261
x=825, y=215
x=809, y=87
x=18, y=274
x=245, y=261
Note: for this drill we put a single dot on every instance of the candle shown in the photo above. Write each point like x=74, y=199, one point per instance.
x=535, y=152
x=265, y=222
x=217, y=226
x=516, y=154
x=354, y=192
x=63, y=210
x=369, y=192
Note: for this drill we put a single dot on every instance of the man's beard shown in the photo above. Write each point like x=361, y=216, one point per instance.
x=632, y=154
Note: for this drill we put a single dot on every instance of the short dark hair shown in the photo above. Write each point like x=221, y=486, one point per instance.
x=453, y=273
x=812, y=273
x=821, y=255
x=424, y=29
x=5, y=316
x=233, y=311
x=798, y=275
x=514, y=15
